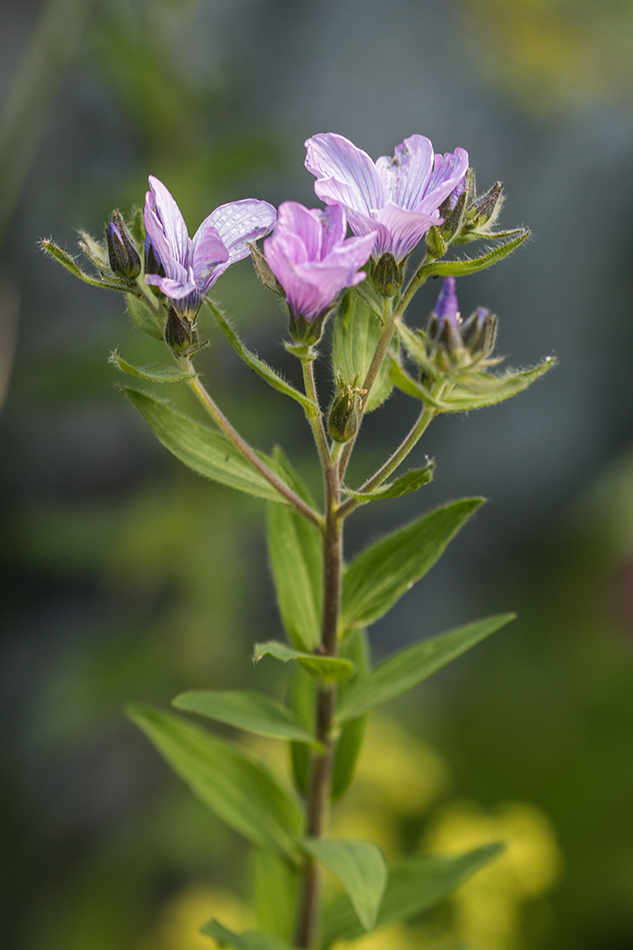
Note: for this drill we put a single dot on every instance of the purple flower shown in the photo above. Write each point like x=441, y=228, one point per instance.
x=192, y=265
x=397, y=198
x=447, y=306
x=311, y=258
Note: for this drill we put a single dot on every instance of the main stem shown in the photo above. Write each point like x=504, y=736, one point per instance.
x=317, y=799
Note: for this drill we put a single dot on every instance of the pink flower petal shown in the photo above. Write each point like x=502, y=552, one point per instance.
x=346, y=175
x=407, y=174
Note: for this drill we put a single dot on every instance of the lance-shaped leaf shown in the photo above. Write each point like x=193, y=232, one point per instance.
x=144, y=317
x=66, y=260
x=381, y=574
x=410, y=482
x=355, y=646
x=251, y=940
x=242, y=792
x=328, y=669
x=494, y=389
x=245, y=709
x=413, y=343
x=413, y=886
x=401, y=379
x=464, y=266
x=275, y=881
x=202, y=449
x=409, y=667
x=155, y=372
x=356, y=333
x=296, y=558
x=260, y=367
x=361, y=869
x=95, y=251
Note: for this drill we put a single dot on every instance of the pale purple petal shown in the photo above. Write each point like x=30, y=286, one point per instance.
x=207, y=254
x=449, y=169
x=174, y=289
x=405, y=228
x=165, y=224
x=345, y=174
x=458, y=191
x=301, y=224
x=407, y=174
x=447, y=306
x=240, y=221
x=334, y=229
x=352, y=253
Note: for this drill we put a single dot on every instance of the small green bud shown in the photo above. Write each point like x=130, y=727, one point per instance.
x=263, y=271
x=180, y=335
x=343, y=419
x=435, y=246
x=484, y=210
x=124, y=258
x=479, y=333
x=307, y=332
x=387, y=275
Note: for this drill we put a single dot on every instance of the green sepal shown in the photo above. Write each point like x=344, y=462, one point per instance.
x=407, y=668
x=464, y=266
x=361, y=869
x=413, y=343
x=260, y=367
x=296, y=558
x=155, y=372
x=414, y=885
x=250, y=940
x=357, y=329
x=248, y=710
x=327, y=669
x=145, y=318
x=242, y=792
x=95, y=251
x=66, y=260
x=435, y=244
x=275, y=880
x=136, y=224
x=382, y=573
x=355, y=646
x=407, y=483
x=209, y=453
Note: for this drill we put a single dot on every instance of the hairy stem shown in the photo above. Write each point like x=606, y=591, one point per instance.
x=246, y=451
x=316, y=422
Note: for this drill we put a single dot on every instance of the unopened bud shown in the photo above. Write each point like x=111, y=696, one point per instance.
x=152, y=263
x=124, y=258
x=342, y=421
x=484, y=209
x=263, y=271
x=307, y=332
x=180, y=335
x=479, y=332
x=387, y=275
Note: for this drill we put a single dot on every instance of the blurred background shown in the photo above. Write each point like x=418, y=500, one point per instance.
x=124, y=576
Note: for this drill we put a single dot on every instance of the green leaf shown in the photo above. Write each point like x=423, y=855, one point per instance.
x=251, y=940
x=409, y=667
x=66, y=260
x=260, y=367
x=242, y=792
x=361, y=869
x=296, y=558
x=328, y=669
x=155, y=372
x=205, y=451
x=410, y=482
x=354, y=647
x=144, y=317
x=497, y=388
x=413, y=343
x=243, y=709
x=381, y=574
x=301, y=698
x=95, y=251
x=414, y=885
x=275, y=886
x=462, y=267
x=357, y=330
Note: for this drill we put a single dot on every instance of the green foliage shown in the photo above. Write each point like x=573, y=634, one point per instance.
x=356, y=648
x=155, y=372
x=407, y=483
x=252, y=940
x=414, y=885
x=295, y=552
x=274, y=886
x=301, y=698
x=409, y=667
x=144, y=317
x=381, y=574
x=357, y=329
x=361, y=869
x=207, y=452
x=68, y=261
x=260, y=367
x=246, y=709
x=327, y=669
x=243, y=793
x=463, y=266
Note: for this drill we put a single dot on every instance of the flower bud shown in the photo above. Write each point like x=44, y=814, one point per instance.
x=479, y=333
x=307, y=332
x=483, y=211
x=124, y=258
x=387, y=275
x=342, y=421
x=152, y=263
x=180, y=335
x=263, y=271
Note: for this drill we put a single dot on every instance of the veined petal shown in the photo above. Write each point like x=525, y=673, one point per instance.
x=164, y=223
x=407, y=174
x=207, y=252
x=334, y=230
x=304, y=298
x=240, y=221
x=174, y=289
x=345, y=174
x=352, y=253
x=406, y=229
x=303, y=225
x=449, y=170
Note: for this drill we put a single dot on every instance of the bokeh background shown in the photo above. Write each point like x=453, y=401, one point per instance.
x=124, y=576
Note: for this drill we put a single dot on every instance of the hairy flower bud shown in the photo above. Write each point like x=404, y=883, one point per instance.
x=387, y=275
x=479, y=332
x=180, y=335
x=124, y=258
x=456, y=344
x=343, y=419
x=484, y=210
x=152, y=264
